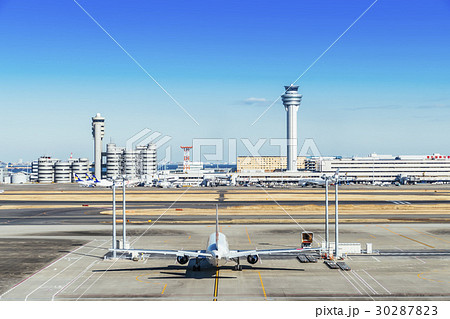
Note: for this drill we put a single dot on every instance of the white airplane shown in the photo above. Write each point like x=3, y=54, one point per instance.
x=379, y=183
x=88, y=182
x=313, y=182
x=168, y=182
x=102, y=182
x=217, y=252
x=95, y=182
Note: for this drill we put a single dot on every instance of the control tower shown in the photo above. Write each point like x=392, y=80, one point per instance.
x=291, y=101
x=98, y=131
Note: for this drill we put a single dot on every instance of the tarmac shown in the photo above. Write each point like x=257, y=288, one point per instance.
x=54, y=238
x=78, y=271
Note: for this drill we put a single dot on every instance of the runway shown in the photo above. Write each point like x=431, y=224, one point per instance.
x=70, y=204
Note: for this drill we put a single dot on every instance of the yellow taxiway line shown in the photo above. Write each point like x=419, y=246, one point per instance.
x=406, y=237
x=262, y=285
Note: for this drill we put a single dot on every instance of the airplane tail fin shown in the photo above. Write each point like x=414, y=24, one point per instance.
x=217, y=225
x=78, y=179
x=95, y=178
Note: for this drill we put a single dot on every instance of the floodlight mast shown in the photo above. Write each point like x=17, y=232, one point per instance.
x=114, y=219
x=327, y=240
x=336, y=217
x=124, y=222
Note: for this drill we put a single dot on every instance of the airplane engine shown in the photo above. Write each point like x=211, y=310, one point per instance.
x=252, y=259
x=182, y=259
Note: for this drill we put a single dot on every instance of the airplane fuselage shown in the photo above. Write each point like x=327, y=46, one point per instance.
x=218, y=247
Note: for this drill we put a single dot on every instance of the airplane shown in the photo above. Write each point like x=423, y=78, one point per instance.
x=168, y=182
x=218, y=253
x=379, y=183
x=84, y=183
x=314, y=182
x=102, y=182
x=95, y=182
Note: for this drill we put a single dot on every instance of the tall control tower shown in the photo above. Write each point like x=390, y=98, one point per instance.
x=291, y=101
x=98, y=131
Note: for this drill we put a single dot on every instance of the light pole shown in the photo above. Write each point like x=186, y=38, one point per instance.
x=114, y=219
x=336, y=217
x=124, y=222
x=327, y=244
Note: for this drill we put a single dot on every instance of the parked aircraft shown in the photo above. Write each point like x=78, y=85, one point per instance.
x=217, y=252
x=84, y=182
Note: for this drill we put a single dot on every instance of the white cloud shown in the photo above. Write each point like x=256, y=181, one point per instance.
x=255, y=101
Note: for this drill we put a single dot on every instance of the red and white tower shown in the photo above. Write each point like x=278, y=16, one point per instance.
x=186, y=160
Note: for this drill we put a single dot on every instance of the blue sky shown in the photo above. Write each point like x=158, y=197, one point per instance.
x=383, y=87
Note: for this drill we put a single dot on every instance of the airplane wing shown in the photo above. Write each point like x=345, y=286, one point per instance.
x=176, y=253
x=245, y=253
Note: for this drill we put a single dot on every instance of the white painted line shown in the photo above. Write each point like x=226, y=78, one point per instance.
x=420, y=260
x=20, y=283
x=350, y=282
x=376, y=259
x=98, y=278
x=365, y=282
x=83, y=282
x=57, y=274
x=80, y=274
x=74, y=279
x=377, y=282
x=359, y=283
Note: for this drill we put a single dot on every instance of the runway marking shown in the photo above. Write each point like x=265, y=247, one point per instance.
x=74, y=279
x=364, y=282
x=348, y=275
x=420, y=260
x=360, y=283
x=376, y=259
x=99, y=277
x=406, y=237
x=248, y=236
x=377, y=282
x=350, y=282
x=162, y=292
x=428, y=234
x=428, y=272
x=83, y=282
x=39, y=287
x=17, y=285
x=216, y=284
x=399, y=202
x=262, y=286
x=372, y=236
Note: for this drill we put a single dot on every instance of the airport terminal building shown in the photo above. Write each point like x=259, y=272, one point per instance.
x=373, y=168
x=388, y=168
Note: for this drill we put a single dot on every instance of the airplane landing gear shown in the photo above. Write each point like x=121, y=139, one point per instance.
x=196, y=267
x=238, y=266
